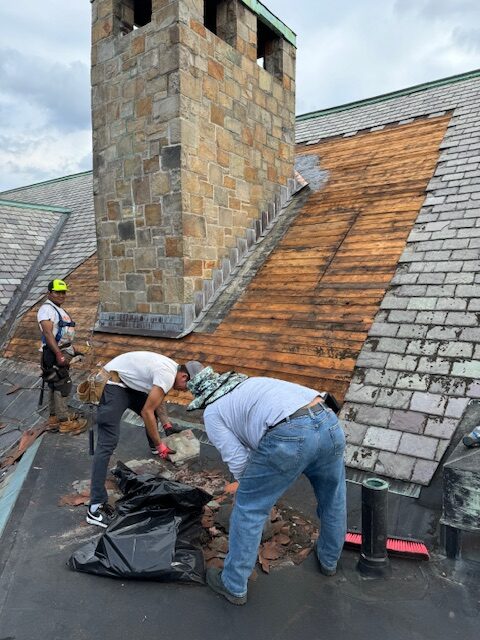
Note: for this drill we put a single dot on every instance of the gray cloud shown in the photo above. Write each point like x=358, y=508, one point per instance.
x=467, y=39
x=347, y=50
x=60, y=92
x=438, y=9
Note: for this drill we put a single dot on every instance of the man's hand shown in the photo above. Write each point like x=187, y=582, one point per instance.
x=60, y=358
x=171, y=428
x=164, y=451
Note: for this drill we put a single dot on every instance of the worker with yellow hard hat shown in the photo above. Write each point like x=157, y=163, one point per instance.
x=58, y=333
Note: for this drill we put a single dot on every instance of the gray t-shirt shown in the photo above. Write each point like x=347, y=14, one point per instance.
x=236, y=422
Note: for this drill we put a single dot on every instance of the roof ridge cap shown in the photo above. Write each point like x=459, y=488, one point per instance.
x=425, y=86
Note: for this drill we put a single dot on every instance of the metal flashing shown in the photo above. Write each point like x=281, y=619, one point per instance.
x=271, y=20
x=30, y=205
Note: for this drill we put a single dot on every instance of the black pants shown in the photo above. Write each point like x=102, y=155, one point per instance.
x=114, y=402
x=60, y=379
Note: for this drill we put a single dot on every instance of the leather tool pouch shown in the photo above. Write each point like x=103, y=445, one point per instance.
x=91, y=389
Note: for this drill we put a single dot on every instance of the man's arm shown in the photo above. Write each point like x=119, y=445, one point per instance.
x=152, y=405
x=47, y=330
x=233, y=452
x=162, y=414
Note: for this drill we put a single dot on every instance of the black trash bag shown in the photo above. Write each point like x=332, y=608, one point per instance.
x=151, y=542
x=148, y=490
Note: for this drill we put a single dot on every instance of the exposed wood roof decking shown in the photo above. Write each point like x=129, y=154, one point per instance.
x=306, y=314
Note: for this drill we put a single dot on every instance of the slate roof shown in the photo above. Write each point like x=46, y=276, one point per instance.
x=419, y=365
x=77, y=241
x=25, y=231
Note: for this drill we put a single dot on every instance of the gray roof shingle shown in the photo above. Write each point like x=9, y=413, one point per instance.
x=77, y=241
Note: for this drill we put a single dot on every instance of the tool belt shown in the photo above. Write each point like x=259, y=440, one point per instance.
x=91, y=389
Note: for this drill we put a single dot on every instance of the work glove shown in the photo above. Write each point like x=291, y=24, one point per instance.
x=164, y=451
x=170, y=428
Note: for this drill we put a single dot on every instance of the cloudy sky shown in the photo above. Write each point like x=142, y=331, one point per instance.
x=347, y=50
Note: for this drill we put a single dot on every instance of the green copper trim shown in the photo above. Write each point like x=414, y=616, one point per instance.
x=390, y=96
x=272, y=21
x=30, y=205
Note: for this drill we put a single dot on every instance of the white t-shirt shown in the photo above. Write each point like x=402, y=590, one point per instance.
x=50, y=311
x=141, y=370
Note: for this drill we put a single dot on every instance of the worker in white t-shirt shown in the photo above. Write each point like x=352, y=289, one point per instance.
x=58, y=333
x=139, y=380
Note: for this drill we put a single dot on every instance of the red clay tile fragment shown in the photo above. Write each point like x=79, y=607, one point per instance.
x=73, y=500
x=281, y=538
x=301, y=555
x=271, y=551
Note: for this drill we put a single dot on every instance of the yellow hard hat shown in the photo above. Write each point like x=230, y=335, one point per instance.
x=57, y=285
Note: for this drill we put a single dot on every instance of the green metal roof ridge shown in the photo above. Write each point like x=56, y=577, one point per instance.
x=51, y=181
x=271, y=20
x=390, y=96
x=31, y=205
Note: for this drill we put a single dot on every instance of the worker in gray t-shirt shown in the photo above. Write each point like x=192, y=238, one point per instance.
x=269, y=432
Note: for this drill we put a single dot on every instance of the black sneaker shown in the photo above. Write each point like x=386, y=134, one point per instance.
x=215, y=583
x=102, y=516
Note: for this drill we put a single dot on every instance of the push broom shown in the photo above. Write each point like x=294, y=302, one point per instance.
x=404, y=547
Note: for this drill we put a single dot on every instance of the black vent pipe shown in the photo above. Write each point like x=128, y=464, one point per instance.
x=374, y=562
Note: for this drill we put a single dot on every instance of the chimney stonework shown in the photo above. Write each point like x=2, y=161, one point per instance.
x=192, y=140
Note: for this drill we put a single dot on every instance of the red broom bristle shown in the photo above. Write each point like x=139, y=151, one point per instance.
x=395, y=546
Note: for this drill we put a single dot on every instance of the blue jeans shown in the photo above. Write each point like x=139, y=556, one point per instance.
x=312, y=444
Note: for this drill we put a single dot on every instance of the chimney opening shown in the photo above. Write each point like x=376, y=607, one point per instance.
x=133, y=14
x=210, y=10
x=269, y=46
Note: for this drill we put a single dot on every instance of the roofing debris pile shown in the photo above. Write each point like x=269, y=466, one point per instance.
x=287, y=537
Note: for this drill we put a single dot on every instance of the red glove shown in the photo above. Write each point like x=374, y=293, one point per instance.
x=164, y=451
x=60, y=358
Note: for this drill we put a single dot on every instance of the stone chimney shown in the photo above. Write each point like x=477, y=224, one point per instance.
x=193, y=137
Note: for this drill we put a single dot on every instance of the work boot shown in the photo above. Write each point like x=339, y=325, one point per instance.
x=53, y=423
x=214, y=581
x=73, y=426
x=325, y=570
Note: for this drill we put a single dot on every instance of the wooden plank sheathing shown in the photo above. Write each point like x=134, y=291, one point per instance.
x=305, y=315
